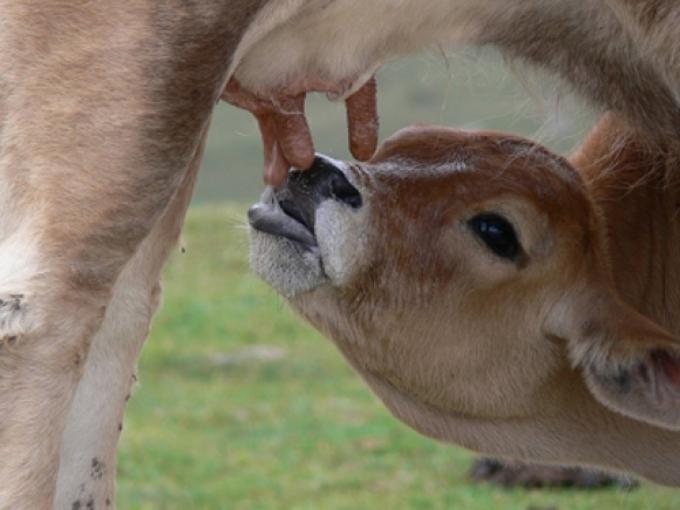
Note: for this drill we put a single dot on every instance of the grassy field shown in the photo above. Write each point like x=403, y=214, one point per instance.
x=243, y=406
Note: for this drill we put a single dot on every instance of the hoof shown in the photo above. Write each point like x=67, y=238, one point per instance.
x=535, y=476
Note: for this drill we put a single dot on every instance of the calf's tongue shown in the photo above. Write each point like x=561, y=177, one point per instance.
x=286, y=138
x=271, y=219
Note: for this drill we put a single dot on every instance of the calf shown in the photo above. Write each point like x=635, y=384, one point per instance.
x=494, y=296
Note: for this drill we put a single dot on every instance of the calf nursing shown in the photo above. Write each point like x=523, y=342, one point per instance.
x=493, y=296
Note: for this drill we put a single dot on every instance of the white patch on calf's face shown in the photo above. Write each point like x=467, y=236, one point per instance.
x=286, y=266
x=342, y=237
x=341, y=233
x=18, y=261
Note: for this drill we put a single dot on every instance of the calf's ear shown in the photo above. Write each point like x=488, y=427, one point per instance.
x=629, y=363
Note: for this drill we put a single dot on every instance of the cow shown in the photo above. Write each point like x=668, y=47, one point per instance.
x=103, y=112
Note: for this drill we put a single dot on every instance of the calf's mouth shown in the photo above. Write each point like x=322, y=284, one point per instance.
x=290, y=210
x=278, y=218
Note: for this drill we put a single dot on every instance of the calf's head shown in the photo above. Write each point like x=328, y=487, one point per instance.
x=465, y=277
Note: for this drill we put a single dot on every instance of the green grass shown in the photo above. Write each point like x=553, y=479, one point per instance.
x=213, y=424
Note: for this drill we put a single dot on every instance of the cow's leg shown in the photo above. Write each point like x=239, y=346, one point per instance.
x=655, y=24
x=103, y=104
x=88, y=455
x=46, y=327
x=533, y=476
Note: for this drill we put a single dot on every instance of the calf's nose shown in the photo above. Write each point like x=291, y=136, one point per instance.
x=302, y=193
x=324, y=180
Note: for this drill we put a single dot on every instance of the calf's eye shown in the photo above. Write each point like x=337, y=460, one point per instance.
x=497, y=234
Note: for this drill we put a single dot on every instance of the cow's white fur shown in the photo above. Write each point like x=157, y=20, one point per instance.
x=20, y=281
x=351, y=38
x=88, y=452
x=296, y=270
x=102, y=107
x=87, y=470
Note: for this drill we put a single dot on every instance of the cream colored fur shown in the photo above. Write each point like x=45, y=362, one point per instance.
x=87, y=468
x=102, y=109
x=352, y=38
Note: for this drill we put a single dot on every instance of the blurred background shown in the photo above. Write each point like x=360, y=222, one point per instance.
x=241, y=405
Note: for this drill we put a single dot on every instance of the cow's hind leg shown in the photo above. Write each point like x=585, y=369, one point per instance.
x=103, y=107
x=534, y=476
x=87, y=470
x=45, y=328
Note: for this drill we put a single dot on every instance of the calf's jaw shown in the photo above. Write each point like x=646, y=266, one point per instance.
x=551, y=417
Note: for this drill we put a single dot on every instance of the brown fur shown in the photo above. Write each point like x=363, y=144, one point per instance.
x=551, y=358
